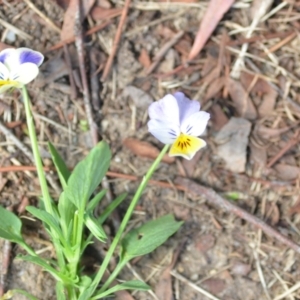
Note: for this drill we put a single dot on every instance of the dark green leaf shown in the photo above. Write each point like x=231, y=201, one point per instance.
x=148, y=237
x=87, y=175
x=10, y=226
x=129, y=285
x=62, y=169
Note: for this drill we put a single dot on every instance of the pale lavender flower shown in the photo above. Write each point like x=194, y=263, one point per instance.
x=178, y=121
x=18, y=67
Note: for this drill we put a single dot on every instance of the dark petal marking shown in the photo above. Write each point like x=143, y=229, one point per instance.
x=3, y=57
x=30, y=56
x=172, y=133
x=181, y=146
x=189, y=128
x=188, y=139
x=184, y=144
x=188, y=143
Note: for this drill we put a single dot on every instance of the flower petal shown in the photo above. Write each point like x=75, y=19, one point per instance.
x=27, y=55
x=4, y=72
x=164, y=131
x=24, y=73
x=165, y=109
x=186, y=106
x=5, y=53
x=186, y=146
x=195, y=124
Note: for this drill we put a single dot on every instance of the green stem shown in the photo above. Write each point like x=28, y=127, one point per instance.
x=40, y=171
x=126, y=218
x=36, y=154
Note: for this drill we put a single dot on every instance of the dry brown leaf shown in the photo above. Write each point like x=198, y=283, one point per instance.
x=190, y=165
x=101, y=13
x=62, y=3
x=205, y=242
x=241, y=99
x=295, y=209
x=214, y=285
x=144, y=58
x=260, y=87
x=215, y=11
x=258, y=155
x=268, y=133
x=287, y=172
x=145, y=149
x=273, y=213
x=214, y=88
x=68, y=28
x=232, y=143
x=123, y=295
x=163, y=289
x=218, y=117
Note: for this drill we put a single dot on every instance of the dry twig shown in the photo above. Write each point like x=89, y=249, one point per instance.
x=212, y=197
x=116, y=40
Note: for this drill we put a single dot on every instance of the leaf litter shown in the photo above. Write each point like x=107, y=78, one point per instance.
x=261, y=161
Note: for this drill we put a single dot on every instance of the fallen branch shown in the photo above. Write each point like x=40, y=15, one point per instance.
x=194, y=189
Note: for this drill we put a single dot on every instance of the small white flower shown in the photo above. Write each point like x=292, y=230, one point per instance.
x=18, y=67
x=176, y=120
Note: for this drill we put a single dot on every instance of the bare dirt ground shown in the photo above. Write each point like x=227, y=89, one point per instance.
x=246, y=76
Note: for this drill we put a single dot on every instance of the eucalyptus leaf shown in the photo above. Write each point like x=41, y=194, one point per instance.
x=87, y=175
x=129, y=285
x=148, y=237
x=10, y=226
x=62, y=170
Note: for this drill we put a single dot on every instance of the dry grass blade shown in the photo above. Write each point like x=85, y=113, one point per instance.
x=194, y=286
x=45, y=18
x=16, y=30
x=212, y=17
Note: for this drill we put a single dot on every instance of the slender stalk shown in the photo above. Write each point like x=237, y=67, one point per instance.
x=36, y=154
x=125, y=220
x=41, y=175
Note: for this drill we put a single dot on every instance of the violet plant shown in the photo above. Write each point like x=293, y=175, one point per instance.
x=175, y=120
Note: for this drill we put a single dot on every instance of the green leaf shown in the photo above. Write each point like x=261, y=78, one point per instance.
x=148, y=237
x=42, y=263
x=29, y=296
x=47, y=219
x=110, y=208
x=62, y=169
x=94, y=202
x=60, y=291
x=84, y=283
x=66, y=211
x=87, y=175
x=10, y=226
x=96, y=229
x=129, y=285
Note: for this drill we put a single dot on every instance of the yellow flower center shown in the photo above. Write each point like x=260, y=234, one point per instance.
x=186, y=146
x=9, y=82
